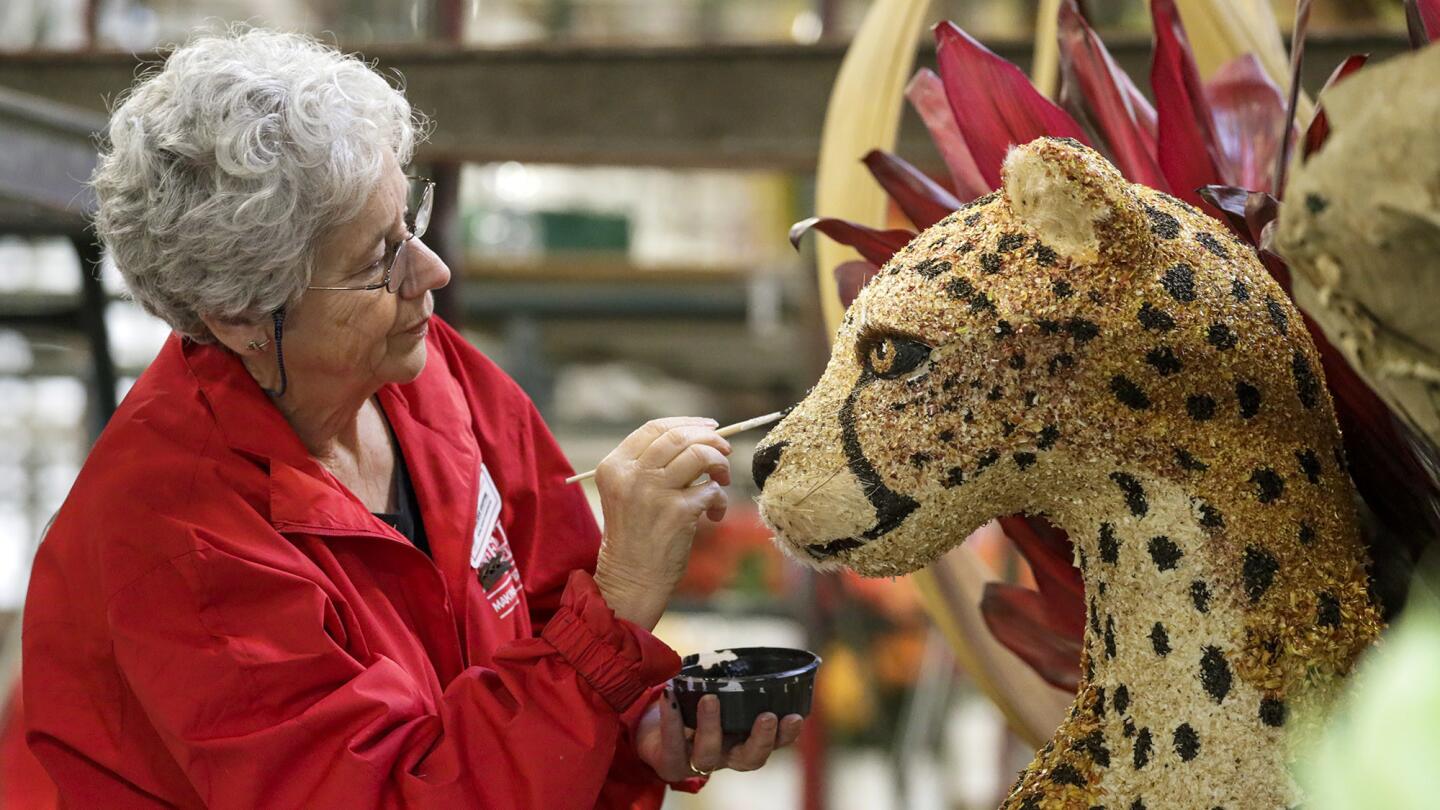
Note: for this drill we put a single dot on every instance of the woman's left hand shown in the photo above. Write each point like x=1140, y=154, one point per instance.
x=677, y=753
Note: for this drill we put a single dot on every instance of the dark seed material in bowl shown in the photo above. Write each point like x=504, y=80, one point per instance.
x=749, y=681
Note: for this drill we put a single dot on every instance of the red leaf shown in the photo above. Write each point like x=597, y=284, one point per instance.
x=875, y=245
x=1249, y=115
x=927, y=96
x=1048, y=552
x=1018, y=619
x=1188, y=158
x=993, y=102
x=1297, y=60
x=1422, y=19
x=851, y=277
x=1108, y=99
x=922, y=199
x=1319, y=129
x=1246, y=212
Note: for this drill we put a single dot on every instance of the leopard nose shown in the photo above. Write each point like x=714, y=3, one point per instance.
x=765, y=461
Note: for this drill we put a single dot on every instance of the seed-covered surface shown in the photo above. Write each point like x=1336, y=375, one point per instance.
x=1153, y=397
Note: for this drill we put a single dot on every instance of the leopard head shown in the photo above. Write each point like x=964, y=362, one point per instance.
x=1066, y=337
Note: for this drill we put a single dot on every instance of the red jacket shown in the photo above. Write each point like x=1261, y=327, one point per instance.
x=214, y=620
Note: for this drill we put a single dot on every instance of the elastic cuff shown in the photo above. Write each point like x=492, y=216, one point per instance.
x=618, y=659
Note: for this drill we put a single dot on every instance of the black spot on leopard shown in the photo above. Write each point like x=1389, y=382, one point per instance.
x=1200, y=595
x=1269, y=485
x=1003, y=329
x=1159, y=639
x=1094, y=618
x=973, y=219
x=1047, y=438
x=930, y=268
x=1239, y=291
x=1187, y=742
x=1009, y=242
x=918, y=460
x=1044, y=256
x=1179, y=281
x=1024, y=460
x=1143, y=746
x=1048, y=326
x=1128, y=393
x=1006, y=427
x=981, y=302
x=995, y=393
x=1109, y=636
x=1215, y=673
x=1278, y=318
x=1060, y=362
x=1201, y=407
x=1017, y=361
x=1309, y=464
x=1138, y=804
x=1221, y=336
x=1093, y=744
x=1210, y=519
x=1306, y=535
x=1134, y=493
x=1314, y=203
x=990, y=457
x=1128, y=730
x=961, y=288
x=990, y=263
x=965, y=248
x=1030, y=399
x=954, y=477
x=1122, y=699
x=1272, y=712
x=1109, y=544
x=1188, y=461
x=1212, y=244
x=1100, y=708
x=1066, y=774
x=1327, y=610
x=1258, y=572
x=1062, y=289
x=1163, y=360
x=946, y=436
x=1081, y=330
x=1155, y=319
x=1164, y=552
x=1249, y=398
x=1307, y=386
x=1162, y=224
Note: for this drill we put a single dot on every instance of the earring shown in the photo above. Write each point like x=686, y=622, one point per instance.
x=257, y=345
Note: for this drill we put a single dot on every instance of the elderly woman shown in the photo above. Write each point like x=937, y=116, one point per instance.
x=324, y=555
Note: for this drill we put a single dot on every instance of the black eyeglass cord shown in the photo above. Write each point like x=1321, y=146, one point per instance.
x=279, y=319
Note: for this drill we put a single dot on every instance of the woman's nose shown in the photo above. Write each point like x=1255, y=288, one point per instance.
x=426, y=271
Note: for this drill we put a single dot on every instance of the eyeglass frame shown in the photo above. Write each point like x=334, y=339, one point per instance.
x=426, y=207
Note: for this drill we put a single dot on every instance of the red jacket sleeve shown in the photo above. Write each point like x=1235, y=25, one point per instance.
x=289, y=719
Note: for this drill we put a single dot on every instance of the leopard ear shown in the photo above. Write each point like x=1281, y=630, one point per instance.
x=1076, y=202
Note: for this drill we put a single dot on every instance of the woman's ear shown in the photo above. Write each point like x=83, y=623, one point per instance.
x=245, y=338
x=1076, y=202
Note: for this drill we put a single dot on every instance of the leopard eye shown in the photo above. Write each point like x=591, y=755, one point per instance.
x=890, y=357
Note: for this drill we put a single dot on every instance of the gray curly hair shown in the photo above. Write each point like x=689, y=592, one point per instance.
x=224, y=167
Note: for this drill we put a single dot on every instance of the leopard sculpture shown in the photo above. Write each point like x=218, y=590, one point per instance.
x=1099, y=353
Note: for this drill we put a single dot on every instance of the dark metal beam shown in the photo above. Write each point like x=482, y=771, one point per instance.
x=733, y=106
x=47, y=152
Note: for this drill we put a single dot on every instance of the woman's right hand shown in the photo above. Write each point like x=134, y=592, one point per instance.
x=651, y=510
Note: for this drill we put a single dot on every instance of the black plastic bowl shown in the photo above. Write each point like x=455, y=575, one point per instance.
x=756, y=680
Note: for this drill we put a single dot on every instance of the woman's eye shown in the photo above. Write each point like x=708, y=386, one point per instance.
x=893, y=357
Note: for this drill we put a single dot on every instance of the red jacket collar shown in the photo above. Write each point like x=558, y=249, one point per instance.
x=429, y=417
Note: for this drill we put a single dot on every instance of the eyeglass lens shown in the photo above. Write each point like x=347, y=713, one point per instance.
x=420, y=200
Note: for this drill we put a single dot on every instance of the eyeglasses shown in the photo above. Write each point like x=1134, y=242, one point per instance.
x=419, y=201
